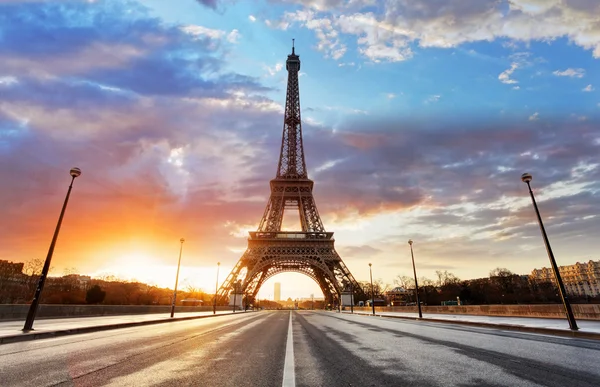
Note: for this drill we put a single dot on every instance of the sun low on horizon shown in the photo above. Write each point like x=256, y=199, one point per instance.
x=417, y=124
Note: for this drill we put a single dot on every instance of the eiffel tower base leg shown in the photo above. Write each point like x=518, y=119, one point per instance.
x=269, y=254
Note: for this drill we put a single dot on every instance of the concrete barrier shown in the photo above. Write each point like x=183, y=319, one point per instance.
x=10, y=312
x=581, y=311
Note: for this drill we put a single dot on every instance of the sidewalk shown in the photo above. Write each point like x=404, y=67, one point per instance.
x=589, y=329
x=11, y=331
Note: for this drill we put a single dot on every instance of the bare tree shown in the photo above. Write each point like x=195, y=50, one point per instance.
x=404, y=281
x=446, y=278
x=70, y=270
x=501, y=272
x=32, y=270
x=108, y=277
x=33, y=267
x=381, y=286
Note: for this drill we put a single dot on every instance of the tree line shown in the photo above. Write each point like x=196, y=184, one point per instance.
x=501, y=287
x=18, y=282
x=17, y=287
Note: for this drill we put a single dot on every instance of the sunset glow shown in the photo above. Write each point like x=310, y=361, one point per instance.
x=417, y=125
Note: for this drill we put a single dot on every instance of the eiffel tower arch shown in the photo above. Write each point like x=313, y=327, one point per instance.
x=309, y=251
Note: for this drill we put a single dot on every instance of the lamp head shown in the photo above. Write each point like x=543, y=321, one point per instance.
x=182, y=240
x=75, y=172
x=218, y=263
x=369, y=265
x=410, y=242
x=526, y=177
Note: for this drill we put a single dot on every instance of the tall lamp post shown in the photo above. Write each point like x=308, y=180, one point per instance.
x=526, y=178
x=216, y=289
x=372, y=291
x=410, y=242
x=351, y=297
x=235, y=286
x=74, y=172
x=177, y=278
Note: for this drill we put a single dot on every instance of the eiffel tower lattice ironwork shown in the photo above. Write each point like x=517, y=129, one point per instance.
x=272, y=251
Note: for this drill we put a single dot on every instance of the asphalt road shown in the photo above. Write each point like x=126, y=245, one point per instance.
x=324, y=349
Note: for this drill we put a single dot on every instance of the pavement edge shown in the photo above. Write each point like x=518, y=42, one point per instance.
x=508, y=327
x=98, y=328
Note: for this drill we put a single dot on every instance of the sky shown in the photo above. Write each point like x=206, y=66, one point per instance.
x=419, y=118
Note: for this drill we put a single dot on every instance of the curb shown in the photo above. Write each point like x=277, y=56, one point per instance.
x=97, y=328
x=508, y=327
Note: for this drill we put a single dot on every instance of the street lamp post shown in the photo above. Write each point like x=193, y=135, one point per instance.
x=372, y=291
x=216, y=289
x=526, y=178
x=410, y=242
x=234, y=295
x=351, y=298
x=177, y=278
x=74, y=172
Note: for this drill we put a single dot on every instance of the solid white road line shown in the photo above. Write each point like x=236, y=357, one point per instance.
x=289, y=377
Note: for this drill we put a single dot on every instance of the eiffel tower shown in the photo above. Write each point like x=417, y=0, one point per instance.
x=272, y=251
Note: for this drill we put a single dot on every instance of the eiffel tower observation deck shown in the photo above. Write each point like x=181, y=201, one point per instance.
x=310, y=250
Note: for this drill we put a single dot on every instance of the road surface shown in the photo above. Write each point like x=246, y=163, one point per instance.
x=322, y=349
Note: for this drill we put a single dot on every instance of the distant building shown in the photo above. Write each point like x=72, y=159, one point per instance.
x=289, y=303
x=11, y=271
x=398, y=295
x=580, y=279
x=311, y=298
x=277, y=291
x=7, y=267
x=77, y=280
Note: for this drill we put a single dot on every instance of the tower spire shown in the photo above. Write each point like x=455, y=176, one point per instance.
x=291, y=160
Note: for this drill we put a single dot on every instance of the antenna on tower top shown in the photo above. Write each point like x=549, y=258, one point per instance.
x=293, y=46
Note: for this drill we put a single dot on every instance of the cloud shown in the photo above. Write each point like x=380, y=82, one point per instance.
x=364, y=251
x=322, y=5
x=504, y=76
x=327, y=36
x=588, y=88
x=275, y=69
x=233, y=36
x=209, y=3
x=202, y=32
x=376, y=42
x=141, y=121
x=89, y=47
x=252, y=18
x=534, y=117
x=7, y=81
x=572, y=73
x=390, y=31
x=464, y=179
x=73, y=46
x=172, y=144
x=433, y=98
x=519, y=60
